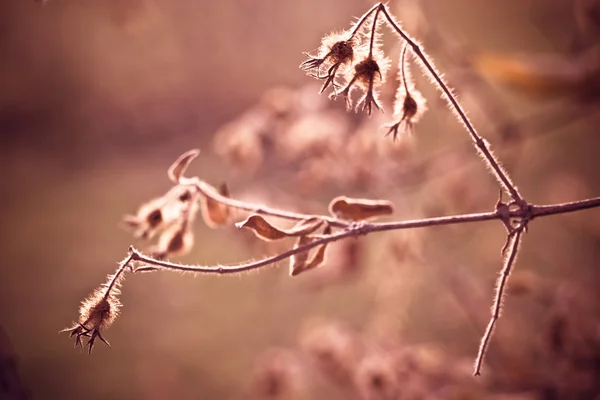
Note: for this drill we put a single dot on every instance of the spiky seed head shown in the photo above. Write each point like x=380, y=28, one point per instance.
x=366, y=71
x=342, y=52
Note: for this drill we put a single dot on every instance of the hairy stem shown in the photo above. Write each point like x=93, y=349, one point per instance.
x=514, y=243
x=494, y=165
x=373, y=32
x=115, y=278
x=402, y=67
x=353, y=230
x=540, y=211
x=233, y=269
x=362, y=19
x=209, y=191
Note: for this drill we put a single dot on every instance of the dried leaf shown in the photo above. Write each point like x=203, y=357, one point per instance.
x=266, y=231
x=176, y=240
x=214, y=212
x=129, y=222
x=359, y=209
x=178, y=168
x=297, y=261
x=299, y=264
x=315, y=261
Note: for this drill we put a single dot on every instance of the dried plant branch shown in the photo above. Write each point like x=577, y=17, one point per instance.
x=364, y=18
x=364, y=228
x=100, y=310
x=483, y=147
x=173, y=213
x=209, y=191
x=373, y=32
x=234, y=269
x=563, y=208
x=117, y=275
x=514, y=241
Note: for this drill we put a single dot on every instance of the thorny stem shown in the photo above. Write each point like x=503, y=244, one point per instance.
x=515, y=241
x=500, y=174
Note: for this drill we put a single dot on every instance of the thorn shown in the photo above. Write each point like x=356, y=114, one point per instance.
x=103, y=340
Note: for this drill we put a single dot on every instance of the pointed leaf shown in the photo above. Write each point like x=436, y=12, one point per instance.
x=178, y=168
x=266, y=231
x=214, y=212
x=298, y=261
x=359, y=209
x=299, y=264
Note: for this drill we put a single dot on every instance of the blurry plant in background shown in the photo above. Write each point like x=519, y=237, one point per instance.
x=416, y=300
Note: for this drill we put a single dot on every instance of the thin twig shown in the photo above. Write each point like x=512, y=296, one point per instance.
x=535, y=210
x=233, y=269
x=115, y=278
x=373, y=32
x=515, y=241
x=363, y=19
x=403, y=67
x=540, y=211
x=494, y=165
x=209, y=191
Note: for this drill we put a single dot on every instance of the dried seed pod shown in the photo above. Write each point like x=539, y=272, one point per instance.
x=368, y=75
x=335, y=54
x=97, y=313
x=409, y=104
x=175, y=240
x=149, y=219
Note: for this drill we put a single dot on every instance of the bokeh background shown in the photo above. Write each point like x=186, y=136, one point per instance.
x=97, y=98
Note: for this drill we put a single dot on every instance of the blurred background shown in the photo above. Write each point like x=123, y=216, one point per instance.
x=98, y=98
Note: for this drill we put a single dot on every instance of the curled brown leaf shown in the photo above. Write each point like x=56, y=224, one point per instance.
x=301, y=262
x=297, y=261
x=214, y=212
x=359, y=209
x=178, y=168
x=264, y=230
x=176, y=240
